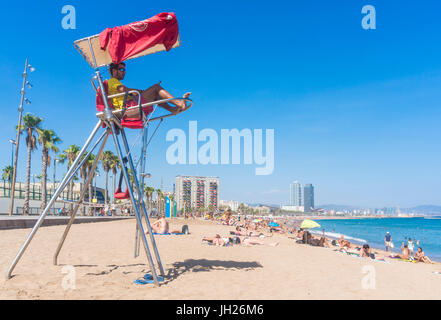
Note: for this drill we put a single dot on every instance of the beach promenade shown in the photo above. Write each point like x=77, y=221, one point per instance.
x=100, y=258
x=20, y=222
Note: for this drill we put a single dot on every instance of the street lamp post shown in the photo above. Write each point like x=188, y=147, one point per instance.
x=55, y=170
x=17, y=141
x=94, y=191
x=13, y=143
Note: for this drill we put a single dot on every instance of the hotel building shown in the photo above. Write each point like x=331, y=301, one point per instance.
x=196, y=192
x=295, y=194
x=308, y=194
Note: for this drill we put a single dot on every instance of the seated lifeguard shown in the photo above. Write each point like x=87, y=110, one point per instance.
x=154, y=93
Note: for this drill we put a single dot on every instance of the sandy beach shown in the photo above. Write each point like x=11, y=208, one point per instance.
x=102, y=256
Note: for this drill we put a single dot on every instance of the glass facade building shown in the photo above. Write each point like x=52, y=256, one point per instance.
x=308, y=197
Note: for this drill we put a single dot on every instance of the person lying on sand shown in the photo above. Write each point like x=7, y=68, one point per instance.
x=162, y=226
x=277, y=230
x=317, y=242
x=244, y=232
x=322, y=242
x=420, y=257
x=247, y=241
x=252, y=226
x=344, y=243
x=366, y=252
x=326, y=243
x=404, y=252
x=218, y=241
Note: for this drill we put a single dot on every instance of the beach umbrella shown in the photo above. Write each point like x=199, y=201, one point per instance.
x=273, y=224
x=309, y=224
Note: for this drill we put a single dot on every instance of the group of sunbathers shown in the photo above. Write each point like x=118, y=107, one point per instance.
x=243, y=234
x=217, y=240
x=305, y=237
x=248, y=230
x=366, y=251
x=406, y=255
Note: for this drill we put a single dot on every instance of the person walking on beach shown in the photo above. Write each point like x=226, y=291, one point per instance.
x=388, y=242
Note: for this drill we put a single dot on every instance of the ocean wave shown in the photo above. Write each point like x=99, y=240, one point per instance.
x=338, y=235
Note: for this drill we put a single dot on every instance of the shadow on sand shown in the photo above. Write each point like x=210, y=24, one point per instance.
x=204, y=265
x=181, y=267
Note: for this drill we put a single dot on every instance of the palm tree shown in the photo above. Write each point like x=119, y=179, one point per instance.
x=7, y=173
x=106, y=161
x=114, y=165
x=83, y=176
x=89, y=164
x=172, y=204
x=149, y=193
x=160, y=197
x=31, y=124
x=70, y=154
x=47, y=139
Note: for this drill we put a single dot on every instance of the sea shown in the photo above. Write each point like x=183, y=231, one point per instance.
x=373, y=230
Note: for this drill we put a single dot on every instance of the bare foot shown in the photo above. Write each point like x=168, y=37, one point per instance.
x=183, y=103
x=186, y=95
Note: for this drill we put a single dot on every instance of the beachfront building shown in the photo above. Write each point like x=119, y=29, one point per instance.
x=261, y=209
x=292, y=208
x=232, y=204
x=196, y=192
x=295, y=194
x=308, y=197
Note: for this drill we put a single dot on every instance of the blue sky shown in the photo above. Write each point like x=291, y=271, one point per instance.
x=355, y=112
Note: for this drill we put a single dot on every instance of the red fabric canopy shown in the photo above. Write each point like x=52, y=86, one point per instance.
x=126, y=41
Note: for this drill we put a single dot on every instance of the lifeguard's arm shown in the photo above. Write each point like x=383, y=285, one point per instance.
x=122, y=88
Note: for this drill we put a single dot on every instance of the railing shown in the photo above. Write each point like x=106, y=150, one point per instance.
x=35, y=211
x=35, y=192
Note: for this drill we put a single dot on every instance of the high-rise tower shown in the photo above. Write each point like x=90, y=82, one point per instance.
x=295, y=194
x=308, y=197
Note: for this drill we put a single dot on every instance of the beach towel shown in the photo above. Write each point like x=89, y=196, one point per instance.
x=147, y=279
x=408, y=260
x=381, y=260
x=353, y=254
x=228, y=244
x=166, y=233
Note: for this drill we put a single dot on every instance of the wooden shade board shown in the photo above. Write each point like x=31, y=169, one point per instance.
x=103, y=58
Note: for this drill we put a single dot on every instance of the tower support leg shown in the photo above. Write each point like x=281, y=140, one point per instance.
x=83, y=193
x=63, y=183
